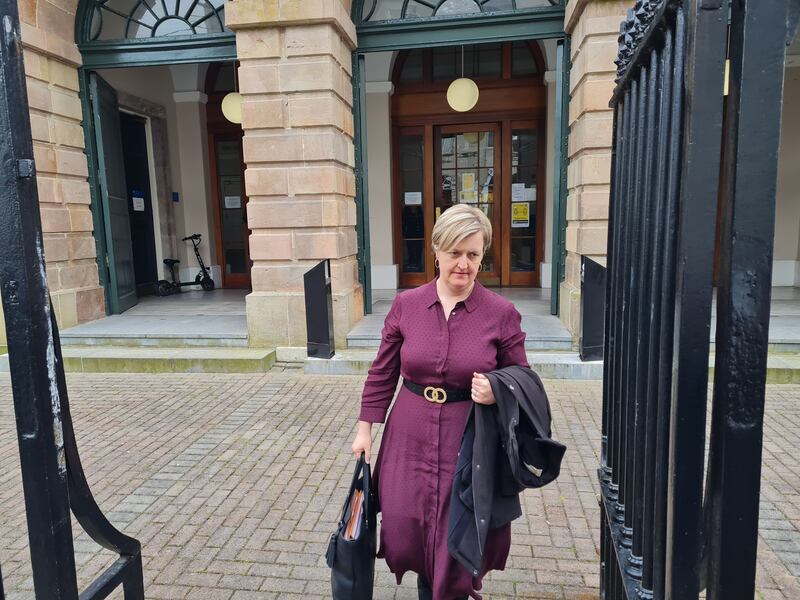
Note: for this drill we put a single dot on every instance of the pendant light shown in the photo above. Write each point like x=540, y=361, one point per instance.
x=232, y=102
x=462, y=95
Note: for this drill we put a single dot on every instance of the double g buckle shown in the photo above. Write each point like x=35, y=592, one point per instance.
x=435, y=394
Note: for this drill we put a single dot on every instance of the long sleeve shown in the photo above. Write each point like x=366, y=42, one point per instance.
x=511, y=345
x=385, y=370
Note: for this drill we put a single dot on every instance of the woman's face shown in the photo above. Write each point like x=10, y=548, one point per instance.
x=458, y=266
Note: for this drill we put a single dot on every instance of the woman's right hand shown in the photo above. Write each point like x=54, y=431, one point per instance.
x=363, y=440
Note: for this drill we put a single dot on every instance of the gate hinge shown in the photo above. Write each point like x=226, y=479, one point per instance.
x=26, y=168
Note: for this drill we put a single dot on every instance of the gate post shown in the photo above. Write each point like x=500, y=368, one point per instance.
x=52, y=476
x=750, y=172
x=26, y=307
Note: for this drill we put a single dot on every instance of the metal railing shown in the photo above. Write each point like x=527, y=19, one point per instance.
x=659, y=537
x=52, y=476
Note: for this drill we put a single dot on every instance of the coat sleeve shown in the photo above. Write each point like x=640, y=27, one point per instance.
x=385, y=370
x=511, y=347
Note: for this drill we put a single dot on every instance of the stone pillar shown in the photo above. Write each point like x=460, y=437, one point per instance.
x=594, y=27
x=295, y=79
x=51, y=69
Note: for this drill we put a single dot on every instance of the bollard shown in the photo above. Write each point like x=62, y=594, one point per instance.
x=593, y=296
x=319, y=311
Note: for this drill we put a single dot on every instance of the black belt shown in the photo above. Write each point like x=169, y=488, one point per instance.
x=437, y=394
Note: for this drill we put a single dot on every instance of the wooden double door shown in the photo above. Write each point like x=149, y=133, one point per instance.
x=496, y=167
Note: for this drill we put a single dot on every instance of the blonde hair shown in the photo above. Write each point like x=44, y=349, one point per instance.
x=458, y=223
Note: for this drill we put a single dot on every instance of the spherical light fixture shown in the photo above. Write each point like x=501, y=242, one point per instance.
x=232, y=107
x=462, y=95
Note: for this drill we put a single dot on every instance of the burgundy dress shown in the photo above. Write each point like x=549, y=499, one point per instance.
x=415, y=466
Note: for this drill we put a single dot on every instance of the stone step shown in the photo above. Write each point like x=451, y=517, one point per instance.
x=121, y=359
x=155, y=340
x=551, y=365
x=540, y=343
x=166, y=330
x=545, y=333
x=781, y=368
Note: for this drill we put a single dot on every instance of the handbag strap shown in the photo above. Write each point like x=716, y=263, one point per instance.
x=361, y=465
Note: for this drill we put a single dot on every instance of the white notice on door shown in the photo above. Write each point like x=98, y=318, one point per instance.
x=517, y=192
x=412, y=198
x=138, y=204
x=233, y=202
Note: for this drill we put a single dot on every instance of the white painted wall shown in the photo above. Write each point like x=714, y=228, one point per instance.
x=786, y=268
x=379, y=164
x=545, y=265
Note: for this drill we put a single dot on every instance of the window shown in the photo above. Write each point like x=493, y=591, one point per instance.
x=391, y=10
x=481, y=62
x=137, y=19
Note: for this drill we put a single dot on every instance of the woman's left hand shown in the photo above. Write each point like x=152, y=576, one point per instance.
x=482, y=390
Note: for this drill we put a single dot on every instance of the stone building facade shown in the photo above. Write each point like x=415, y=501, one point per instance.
x=299, y=141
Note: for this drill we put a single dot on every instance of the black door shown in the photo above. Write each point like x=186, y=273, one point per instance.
x=140, y=205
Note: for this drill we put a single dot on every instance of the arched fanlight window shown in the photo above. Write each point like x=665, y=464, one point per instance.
x=138, y=19
x=389, y=10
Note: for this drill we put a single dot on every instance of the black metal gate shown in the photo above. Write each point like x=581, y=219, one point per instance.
x=662, y=535
x=52, y=475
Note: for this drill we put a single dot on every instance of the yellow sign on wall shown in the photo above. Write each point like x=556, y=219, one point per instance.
x=520, y=214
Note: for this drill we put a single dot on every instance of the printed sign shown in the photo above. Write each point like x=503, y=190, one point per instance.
x=138, y=204
x=412, y=198
x=520, y=214
x=233, y=202
x=517, y=192
x=467, y=181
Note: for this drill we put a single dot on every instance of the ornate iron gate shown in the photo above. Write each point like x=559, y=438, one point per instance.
x=662, y=536
x=52, y=475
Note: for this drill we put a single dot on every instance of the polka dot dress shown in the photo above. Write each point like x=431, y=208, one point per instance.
x=415, y=466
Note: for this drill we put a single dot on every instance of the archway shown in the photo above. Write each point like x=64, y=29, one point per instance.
x=395, y=25
x=169, y=45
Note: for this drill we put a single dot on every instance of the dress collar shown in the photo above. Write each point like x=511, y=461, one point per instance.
x=470, y=303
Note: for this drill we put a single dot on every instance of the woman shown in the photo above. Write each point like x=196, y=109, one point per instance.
x=441, y=337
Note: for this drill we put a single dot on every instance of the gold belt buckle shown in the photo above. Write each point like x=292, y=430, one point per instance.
x=435, y=394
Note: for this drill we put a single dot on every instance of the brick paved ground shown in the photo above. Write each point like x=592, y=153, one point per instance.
x=233, y=484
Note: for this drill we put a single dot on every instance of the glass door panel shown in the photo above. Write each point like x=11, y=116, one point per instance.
x=233, y=216
x=412, y=215
x=524, y=169
x=468, y=176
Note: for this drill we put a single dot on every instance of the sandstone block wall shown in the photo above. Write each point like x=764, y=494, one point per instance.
x=594, y=27
x=51, y=67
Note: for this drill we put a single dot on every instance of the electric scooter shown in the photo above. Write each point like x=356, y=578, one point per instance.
x=203, y=279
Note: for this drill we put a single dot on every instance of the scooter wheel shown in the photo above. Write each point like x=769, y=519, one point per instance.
x=207, y=284
x=164, y=288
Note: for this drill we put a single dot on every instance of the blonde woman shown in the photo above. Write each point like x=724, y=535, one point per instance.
x=441, y=337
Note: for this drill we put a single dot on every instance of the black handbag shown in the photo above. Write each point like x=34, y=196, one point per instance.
x=352, y=562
